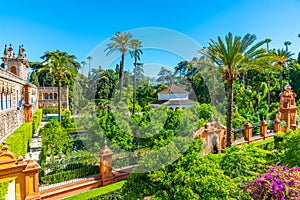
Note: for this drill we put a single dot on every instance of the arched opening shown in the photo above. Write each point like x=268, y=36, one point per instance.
x=46, y=96
x=13, y=70
x=51, y=96
x=55, y=96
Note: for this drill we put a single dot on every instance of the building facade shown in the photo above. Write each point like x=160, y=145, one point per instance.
x=18, y=99
x=173, y=97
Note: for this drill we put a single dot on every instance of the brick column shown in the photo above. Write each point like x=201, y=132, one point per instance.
x=31, y=173
x=263, y=128
x=27, y=104
x=248, y=132
x=106, y=165
x=277, y=128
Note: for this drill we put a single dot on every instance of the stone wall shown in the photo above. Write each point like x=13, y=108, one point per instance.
x=11, y=109
x=48, y=97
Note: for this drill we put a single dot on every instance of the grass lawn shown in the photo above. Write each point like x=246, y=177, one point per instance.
x=97, y=192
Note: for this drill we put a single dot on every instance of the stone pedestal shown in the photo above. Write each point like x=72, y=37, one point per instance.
x=263, y=128
x=277, y=127
x=106, y=165
x=248, y=132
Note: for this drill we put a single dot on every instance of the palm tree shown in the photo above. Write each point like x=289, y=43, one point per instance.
x=269, y=76
x=58, y=67
x=89, y=58
x=136, y=46
x=233, y=56
x=283, y=57
x=287, y=44
x=83, y=63
x=120, y=42
x=299, y=52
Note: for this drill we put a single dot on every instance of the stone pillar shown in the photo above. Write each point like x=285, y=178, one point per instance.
x=263, y=128
x=106, y=165
x=27, y=95
x=31, y=173
x=277, y=127
x=248, y=132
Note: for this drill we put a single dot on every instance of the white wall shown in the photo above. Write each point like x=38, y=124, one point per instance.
x=172, y=96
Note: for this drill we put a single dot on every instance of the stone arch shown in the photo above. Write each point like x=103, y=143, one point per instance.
x=55, y=96
x=46, y=96
x=51, y=96
x=13, y=70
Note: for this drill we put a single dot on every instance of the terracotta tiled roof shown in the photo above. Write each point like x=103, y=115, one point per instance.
x=158, y=101
x=180, y=102
x=173, y=89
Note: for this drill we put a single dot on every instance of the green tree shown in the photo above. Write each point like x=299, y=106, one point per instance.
x=233, y=56
x=58, y=67
x=136, y=46
x=121, y=42
x=89, y=59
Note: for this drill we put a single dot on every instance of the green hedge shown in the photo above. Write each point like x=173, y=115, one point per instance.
x=36, y=120
x=19, y=141
x=3, y=189
x=66, y=174
x=278, y=138
x=51, y=110
x=265, y=144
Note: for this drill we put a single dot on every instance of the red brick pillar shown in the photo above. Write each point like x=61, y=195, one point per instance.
x=106, y=165
x=277, y=128
x=263, y=128
x=27, y=105
x=248, y=132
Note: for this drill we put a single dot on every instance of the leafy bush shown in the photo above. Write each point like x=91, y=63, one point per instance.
x=3, y=189
x=243, y=163
x=290, y=149
x=51, y=110
x=19, y=141
x=36, y=120
x=70, y=173
x=278, y=183
x=278, y=138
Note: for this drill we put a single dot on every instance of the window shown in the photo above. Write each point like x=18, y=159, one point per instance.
x=55, y=96
x=13, y=70
x=51, y=96
x=46, y=96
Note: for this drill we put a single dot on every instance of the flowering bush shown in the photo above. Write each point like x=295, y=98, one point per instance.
x=277, y=184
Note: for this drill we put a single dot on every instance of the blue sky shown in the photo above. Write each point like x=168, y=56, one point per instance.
x=77, y=27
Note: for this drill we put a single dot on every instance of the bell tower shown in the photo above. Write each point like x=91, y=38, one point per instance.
x=288, y=108
x=16, y=65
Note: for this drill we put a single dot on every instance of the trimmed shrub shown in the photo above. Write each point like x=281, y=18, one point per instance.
x=36, y=120
x=278, y=138
x=52, y=111
x=19, y=141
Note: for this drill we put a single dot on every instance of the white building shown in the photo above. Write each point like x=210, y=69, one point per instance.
x=173, y=97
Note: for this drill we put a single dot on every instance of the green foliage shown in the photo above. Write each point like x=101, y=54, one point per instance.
x=55, y=138
x=19, y=141
x=36, y=120
x=265, y=144
x=69, y=173
x=51, y=111
x=192, y=176
x=3, y=189
x=278, y=138
x=244, y=163
x=290, y=149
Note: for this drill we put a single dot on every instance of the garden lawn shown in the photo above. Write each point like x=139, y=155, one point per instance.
x=98, y=192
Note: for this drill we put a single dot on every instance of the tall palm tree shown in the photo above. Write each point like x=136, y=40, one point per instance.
x=287, y=44
x=269, y=76
x=121, y=42
x=283, y=57
x=233, y=56
x=83, y=63
x=136, y=46
x=59, y=67
x=89, y=58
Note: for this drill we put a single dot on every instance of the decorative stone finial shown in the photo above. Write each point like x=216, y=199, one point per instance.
x=4, y=147
x=105, y=141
